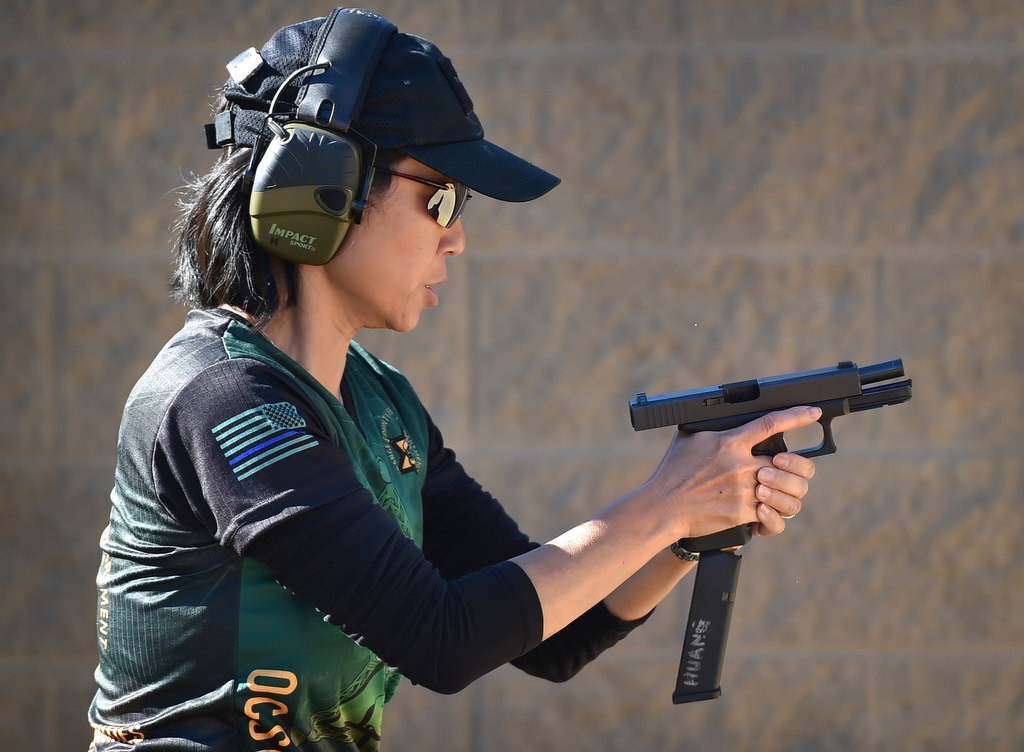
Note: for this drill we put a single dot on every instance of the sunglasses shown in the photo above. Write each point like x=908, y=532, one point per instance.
x=446, y=205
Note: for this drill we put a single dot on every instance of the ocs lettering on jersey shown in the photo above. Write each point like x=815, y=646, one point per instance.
x=259, y=437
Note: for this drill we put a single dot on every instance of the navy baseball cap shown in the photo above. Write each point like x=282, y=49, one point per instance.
x=415, y=103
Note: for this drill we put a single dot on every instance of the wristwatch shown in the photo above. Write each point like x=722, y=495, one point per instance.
x=683, y=554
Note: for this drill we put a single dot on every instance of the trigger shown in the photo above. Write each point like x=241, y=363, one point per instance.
x=771, y=446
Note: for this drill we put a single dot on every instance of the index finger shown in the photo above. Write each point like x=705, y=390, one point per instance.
x=777, y=422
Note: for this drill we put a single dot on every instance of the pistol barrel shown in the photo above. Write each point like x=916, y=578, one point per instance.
x=889, y=369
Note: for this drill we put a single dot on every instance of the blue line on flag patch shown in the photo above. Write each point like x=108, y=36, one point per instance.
x=259, y=437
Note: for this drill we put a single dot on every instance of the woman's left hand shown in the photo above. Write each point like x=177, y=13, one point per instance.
x=781, y=488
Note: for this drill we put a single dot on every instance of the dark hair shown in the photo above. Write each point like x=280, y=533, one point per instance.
x=216, y=260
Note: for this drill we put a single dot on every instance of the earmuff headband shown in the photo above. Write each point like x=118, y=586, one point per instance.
x=308, y=178
x=333, y=97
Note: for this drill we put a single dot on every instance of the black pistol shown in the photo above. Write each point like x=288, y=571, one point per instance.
x=839, y=390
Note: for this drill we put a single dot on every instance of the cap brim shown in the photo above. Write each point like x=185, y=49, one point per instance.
x=486, y=169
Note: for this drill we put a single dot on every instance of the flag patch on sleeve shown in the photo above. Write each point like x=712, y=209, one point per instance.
x=257, y=438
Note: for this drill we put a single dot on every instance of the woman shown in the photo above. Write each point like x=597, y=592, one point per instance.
x=289, y=534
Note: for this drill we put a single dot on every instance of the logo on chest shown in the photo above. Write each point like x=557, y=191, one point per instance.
x=401, y=450
x=401, y=453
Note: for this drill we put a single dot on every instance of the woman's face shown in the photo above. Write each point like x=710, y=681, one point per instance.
x=391, y=264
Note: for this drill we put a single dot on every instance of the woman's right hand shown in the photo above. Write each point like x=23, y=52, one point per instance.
x=706, y=482
x=712, y=481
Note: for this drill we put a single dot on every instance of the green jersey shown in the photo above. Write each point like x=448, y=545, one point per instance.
x=180, y=613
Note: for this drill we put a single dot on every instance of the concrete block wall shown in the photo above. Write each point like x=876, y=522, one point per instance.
x=750, y=187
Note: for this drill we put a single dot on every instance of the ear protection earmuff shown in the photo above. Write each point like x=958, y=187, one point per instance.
x=308, y=180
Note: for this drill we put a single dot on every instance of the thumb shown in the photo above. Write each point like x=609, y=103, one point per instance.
x=779, y=421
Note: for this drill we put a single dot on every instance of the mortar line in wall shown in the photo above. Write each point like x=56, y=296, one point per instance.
x=874, y=713
x=878, y=310
x=872, y=305
x=33, y=459
x=943, y=652
x=754, y=249
x=56, y=664
x=99, y=258
x=784, y=48
x=673, y=156
x=48, y=378
x=859, y=20
x=51, y=713
x=477, y=706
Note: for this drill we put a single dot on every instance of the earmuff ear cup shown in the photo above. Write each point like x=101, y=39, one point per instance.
x=303, y=191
